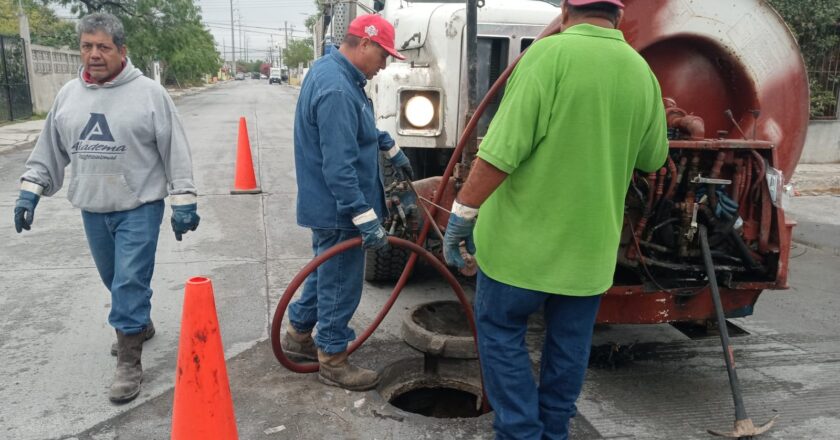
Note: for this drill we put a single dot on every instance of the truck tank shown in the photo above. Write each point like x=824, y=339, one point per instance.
x=713, y=56
x=736, y=98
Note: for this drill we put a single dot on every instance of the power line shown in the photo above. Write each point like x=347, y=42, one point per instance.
x=292, y=29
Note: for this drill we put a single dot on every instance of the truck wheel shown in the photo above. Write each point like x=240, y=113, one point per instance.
x=385, y=264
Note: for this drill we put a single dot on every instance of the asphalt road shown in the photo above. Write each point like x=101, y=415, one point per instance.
x=54, y=336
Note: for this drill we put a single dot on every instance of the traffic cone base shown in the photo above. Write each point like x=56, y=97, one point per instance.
x=256, y=190
x=244, y=181
x=202, y=407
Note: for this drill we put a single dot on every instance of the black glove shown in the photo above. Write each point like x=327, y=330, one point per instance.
x=184, y=218
x=25, y=210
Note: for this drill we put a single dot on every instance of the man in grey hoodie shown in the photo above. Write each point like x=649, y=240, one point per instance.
x=121, y=135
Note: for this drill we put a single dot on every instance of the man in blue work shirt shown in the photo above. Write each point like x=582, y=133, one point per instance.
x=340, y=194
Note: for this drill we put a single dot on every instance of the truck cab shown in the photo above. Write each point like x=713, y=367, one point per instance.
x=422, y=101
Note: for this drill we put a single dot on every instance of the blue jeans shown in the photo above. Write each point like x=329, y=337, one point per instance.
x=123, y=245
x=331, y=293
x=523, y=411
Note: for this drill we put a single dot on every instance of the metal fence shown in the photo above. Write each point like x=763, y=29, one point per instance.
x=15, y=100
x=824, y=75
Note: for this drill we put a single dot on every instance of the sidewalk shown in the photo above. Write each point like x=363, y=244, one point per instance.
x=21, y=135
x=816, y=179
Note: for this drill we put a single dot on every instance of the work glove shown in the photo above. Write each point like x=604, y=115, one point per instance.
x=460, y=228
x=25, y=209
x=373, y=234
x=184, y=219
x=401, y=163
x=398, y=158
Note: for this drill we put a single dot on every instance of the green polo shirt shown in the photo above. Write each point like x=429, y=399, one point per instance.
x=580, y=112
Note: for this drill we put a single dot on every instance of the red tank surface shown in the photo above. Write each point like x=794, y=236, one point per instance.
x=737, y=103
x=716, y=55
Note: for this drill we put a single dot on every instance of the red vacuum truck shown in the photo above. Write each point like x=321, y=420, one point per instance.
x=736, y=96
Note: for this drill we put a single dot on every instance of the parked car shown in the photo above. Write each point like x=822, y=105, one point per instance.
x=239, y=76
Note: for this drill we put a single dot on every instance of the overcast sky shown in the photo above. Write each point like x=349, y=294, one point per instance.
x=261, y=21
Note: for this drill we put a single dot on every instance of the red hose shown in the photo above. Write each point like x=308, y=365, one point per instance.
x=333, y=251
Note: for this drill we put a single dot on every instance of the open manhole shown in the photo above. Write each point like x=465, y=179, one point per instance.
x=451, y=391
x=439, y=328
x=438, y=401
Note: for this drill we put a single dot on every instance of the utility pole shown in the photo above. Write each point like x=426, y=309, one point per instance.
x=241, y=37
x=286, y=30
x=232, y=40
x=271, y=51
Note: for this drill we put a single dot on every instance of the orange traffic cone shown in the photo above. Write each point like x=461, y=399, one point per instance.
x=244, y=182
x=203, y=408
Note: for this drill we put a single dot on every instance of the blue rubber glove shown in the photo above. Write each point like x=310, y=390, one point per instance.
x=184, y=218
x=457, y=230
x=25, y=210
x=402, y=165
x=373, y=234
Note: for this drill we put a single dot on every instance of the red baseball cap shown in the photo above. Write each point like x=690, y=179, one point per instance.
x=589, y=2
x=376, y=28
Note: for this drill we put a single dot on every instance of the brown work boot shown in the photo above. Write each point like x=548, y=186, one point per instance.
x=129, y=374
x=299, y=345
x=336, y=371
x=148, y=333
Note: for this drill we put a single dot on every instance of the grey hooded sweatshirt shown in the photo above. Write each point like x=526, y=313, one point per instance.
x=123, y=140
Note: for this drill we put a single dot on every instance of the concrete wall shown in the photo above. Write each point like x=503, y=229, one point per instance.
x=823, y=143
x=51, y=69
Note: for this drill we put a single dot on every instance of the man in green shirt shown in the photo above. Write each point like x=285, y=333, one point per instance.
x=580, y=112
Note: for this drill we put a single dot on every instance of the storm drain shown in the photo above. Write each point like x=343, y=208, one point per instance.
x=708, y=329
x=450, y=390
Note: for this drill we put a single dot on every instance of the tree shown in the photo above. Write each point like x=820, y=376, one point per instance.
x=169, y=31
x=248, y=66
x=815, y=25
x=44, y=27
x=299, y=51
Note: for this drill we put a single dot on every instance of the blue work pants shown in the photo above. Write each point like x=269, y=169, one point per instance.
x=523, y=410
x=123, y=245
x=332, y=293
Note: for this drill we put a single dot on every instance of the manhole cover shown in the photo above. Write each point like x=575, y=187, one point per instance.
x=439, y=328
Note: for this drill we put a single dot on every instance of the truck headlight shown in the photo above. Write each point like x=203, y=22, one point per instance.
x=420, y=111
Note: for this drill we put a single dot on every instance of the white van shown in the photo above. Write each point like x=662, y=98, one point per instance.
x=277, y=75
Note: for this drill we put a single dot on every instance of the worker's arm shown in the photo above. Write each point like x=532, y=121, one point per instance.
x=514, y=134
x=483, y=180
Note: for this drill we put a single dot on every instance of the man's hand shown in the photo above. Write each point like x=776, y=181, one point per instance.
x=401, y=163
x=460, y=228
x=374, y=235
x=184, y=218
x=25, y=210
